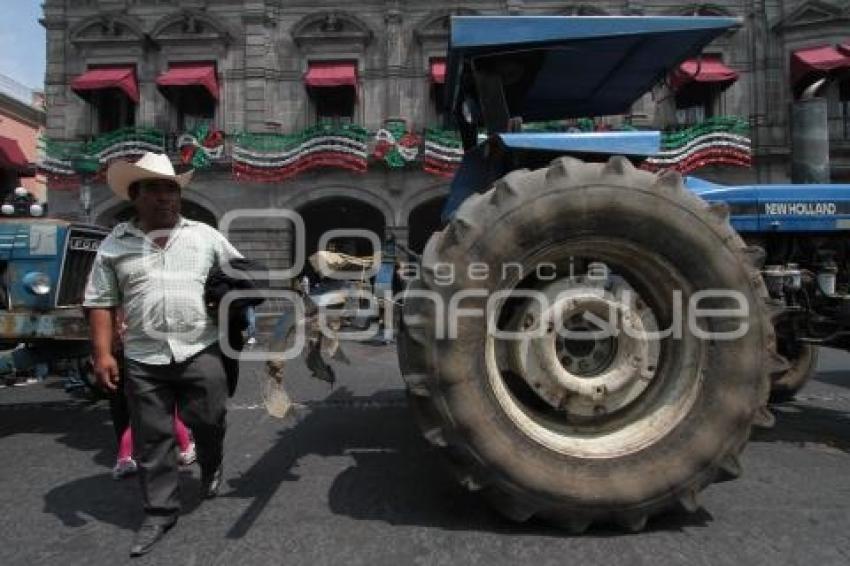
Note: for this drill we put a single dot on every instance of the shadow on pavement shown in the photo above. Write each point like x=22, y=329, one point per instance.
x=801, y=423
x=81, y=425
x=839, y=378
x=396, y=477
x=86, y=426
x=116, y=503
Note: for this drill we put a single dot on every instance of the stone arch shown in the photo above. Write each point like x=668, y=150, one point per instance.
x=419, y=197
x=322, y=25
x=190, y=18
x=106, y=213
x=304, y=198
x=331, y=196
x=421, y=215
x=107, y=27
x=435, y=24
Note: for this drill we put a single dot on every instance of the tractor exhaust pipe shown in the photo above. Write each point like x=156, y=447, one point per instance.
x=809, y=141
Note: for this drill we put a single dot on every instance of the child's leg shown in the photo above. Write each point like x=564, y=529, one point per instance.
x=181, y=433
x=125, y=447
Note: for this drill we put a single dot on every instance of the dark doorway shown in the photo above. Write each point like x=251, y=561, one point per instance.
x=341, y=213
x=424, y=220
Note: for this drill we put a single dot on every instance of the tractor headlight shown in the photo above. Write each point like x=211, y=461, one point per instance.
x=37, y=283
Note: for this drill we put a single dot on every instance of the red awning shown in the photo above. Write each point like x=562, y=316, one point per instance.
x=817, y=62
x=708, y=69
x=190, y=74
x=438, y=71
x=845, y=47
x=11, y=156
x=331, y=73
x=123, y=78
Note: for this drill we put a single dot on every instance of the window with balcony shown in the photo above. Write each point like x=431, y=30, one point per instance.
x=112, y=92
x=192, y=89
x=697, y=107
x=698, y=85
x=437, y=73
x=332, y=86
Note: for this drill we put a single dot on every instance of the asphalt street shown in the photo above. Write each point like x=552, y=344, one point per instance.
x=347, y=480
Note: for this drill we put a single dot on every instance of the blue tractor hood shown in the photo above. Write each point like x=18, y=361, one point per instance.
x=781, y=207
x=556, y=67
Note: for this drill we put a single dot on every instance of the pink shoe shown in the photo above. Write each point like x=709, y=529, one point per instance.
x=188, y=457
x=123, y=468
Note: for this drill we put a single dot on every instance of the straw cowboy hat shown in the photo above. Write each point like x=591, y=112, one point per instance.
x=121, y=174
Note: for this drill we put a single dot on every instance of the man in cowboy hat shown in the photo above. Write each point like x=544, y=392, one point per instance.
x=154, y=268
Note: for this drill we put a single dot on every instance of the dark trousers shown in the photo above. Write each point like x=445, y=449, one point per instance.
x=197, y=388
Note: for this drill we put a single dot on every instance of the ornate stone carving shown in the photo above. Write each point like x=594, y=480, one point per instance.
x=331, y=26
x=190, y=26
x=107, y=29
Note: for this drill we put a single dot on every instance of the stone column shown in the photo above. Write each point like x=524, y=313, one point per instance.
x=254, y=20
x=55, y=85
x=394, y=47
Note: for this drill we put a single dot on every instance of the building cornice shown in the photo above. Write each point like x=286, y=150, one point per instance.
x=30, y=115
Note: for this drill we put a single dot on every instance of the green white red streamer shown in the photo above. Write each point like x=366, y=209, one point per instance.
x=276, y=157
x=443, y=153
x=396, y=145
x=64, y=163
x=201, y=146
x=719, y=141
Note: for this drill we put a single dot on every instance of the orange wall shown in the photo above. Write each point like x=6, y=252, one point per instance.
x=27, y=138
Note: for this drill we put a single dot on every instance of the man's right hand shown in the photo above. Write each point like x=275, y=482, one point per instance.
x=106, y=371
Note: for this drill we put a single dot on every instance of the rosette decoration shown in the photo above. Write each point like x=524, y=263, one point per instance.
x=200, y=146
x=443, y=152
x=65, y=162
x=396, y=145
x=275, y=157
x=717, y=141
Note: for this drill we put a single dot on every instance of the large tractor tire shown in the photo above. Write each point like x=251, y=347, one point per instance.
x=583, y=431
x=804, y=362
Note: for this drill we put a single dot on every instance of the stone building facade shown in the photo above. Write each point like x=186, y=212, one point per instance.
x=263, y=51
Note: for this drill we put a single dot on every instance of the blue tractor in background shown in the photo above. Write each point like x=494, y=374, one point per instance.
x=44, y=266
x=720, y=294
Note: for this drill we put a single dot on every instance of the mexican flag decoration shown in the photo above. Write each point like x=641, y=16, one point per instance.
x=200, y=146
x=443, y=152
x=396, y=145
x=64, y=163
x=275, y=157
x=717, y=141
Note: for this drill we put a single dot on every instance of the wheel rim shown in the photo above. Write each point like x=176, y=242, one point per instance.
x=619, y=401
x=595, y=356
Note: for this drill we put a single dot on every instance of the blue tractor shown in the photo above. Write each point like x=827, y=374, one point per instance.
x=586, y=341
x=44, y=266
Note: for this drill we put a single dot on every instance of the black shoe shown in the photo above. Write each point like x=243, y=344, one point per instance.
x=148, y=535
x=211, y=483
